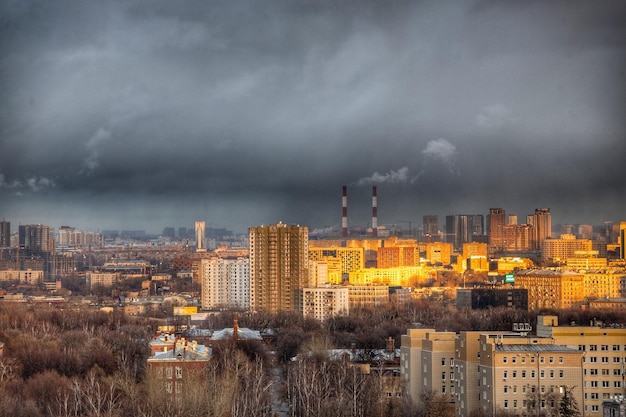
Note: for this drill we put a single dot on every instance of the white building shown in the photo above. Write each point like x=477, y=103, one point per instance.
x=324, y=302
x=225, y=283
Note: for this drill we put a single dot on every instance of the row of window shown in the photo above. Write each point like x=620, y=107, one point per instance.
x=169, y=372
x=614, y=348
x=542, y=373
x=542, y=359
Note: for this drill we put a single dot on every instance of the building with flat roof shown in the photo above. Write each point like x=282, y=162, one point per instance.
x=551, y=289
x=279, y=266
x=322, y=303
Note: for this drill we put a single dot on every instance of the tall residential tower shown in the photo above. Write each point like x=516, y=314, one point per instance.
x=279, y=266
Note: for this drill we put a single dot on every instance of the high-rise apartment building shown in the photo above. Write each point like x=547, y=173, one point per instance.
x=463, y=228
x=622, y=240
x=496, y=220
x=430, y=227
x=279, y=266
x=36, y=238
x=200, y=244
x=5, y=234
x=225, y=283
x=542, y=223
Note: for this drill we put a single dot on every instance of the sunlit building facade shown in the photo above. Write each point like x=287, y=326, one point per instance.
x=279, y=266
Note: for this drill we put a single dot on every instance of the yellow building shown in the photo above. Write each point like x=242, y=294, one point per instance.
x=351, y=259
x=510, y=264
x=551, y=289
x=406, y=276
x=367, y=295
x=602, y=283
x=604, y=351
x=474, y=249
x=439, y=252
x=560, y=250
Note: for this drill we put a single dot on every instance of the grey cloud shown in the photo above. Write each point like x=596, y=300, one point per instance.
x=260, y=110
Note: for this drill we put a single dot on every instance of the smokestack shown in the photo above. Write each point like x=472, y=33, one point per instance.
x=344, y=214
x=374, y=212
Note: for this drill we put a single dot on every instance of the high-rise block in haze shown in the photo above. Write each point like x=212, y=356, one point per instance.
x=36, y=238
x=430, y=227
x=463, y=228
x=279, y=266
x=200, y=245
x=542, y=222
x=5, y=234
x=496, y=220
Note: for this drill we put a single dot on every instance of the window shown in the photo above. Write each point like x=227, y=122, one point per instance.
x=505, y=374
x=168, y=372
x=506, y=389
x=605, y=384
x=551, y=359
x=504, y=359
x=605, y=372
x=616, y=360
x=561, y=373
x=593, y=347
x=594, y=384
x=551, y=373
x=443, y=361
x=605, y=359
x=617, y=384
x=542, y=374
x=159, y=372
x=616, y=347
x=532, y=359
x=593, y=372
x=532, y=374
x=523, y=360
x=523, y=374
x=514, y=374
x=514, y=403
x=616, y=372
x=541, y=359
x=523, y=389
x=560, y=359
x=443, y=376
x=179, y=372
x=581, y=347
x=604, y=347
x=593, y=359
x=506, y=403
x=513, y=359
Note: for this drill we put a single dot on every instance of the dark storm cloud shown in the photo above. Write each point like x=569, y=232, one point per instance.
x=252, y=112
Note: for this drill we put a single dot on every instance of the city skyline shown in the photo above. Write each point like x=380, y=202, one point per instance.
x=149, y=115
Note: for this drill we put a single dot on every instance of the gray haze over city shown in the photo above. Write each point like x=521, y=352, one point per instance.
x=145, y=114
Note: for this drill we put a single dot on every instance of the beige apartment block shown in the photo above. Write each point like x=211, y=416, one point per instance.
x=438, y=364
x=603, y=348
x=411, y=362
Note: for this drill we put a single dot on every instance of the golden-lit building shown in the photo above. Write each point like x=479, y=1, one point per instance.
x=603, y=283
x=279, y=266
x=560, y=250
x=604, y=351
x=396, y=256
x=551, y=289
x=367, y=295
x=439, y=252
x=475, y=249
x=510, y=264
x=586, y=263
x=351, y=259
x=407, y=276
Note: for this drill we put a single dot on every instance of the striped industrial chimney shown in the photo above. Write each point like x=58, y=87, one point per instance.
x=344, y=212
x=374, y=212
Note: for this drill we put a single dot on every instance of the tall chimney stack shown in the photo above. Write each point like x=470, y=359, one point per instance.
x=374, y=212
x=344, y=214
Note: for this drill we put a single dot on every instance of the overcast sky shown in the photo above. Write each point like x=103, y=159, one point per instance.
x=145, y=114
